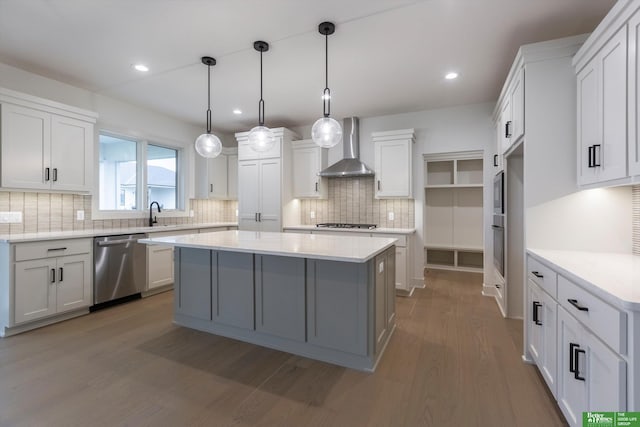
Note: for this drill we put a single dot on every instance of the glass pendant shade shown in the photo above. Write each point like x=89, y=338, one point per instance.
x=261, y=139
x=208, y=145
x=326, y=132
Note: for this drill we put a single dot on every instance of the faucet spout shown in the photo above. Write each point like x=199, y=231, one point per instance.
x=153, y=219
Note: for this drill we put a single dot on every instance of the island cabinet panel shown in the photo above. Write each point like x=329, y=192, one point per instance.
x=280, y=296
x=380, y=301
x=193, y=284
x=337, y=305
x=232, y=289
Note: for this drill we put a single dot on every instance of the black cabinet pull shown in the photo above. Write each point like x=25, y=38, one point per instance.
x=497, y=286
x=57, y=249
x=576, y=372
x=53, y=275
x=538, y=275
x=259, y=216
x=574, y=302
x=210, y=188
x=55, y=174
x=507, y=129
x=597, y=147
x=536, y=315
x=255, y=217
x=46, y=174
x=61, y=276
x=316, y=186
x=590, y=152
x=572, y=347
x=378, y=185
x=495, y=160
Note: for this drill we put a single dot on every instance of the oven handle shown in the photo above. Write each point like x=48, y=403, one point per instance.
x=497, y=227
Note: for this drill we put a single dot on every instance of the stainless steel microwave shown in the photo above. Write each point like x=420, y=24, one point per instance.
x=498, y=193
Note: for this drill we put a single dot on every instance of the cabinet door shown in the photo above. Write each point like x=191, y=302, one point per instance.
x=572, y=392
x=390, y=299
x=159, y=266
x=71, y=154
x=35, y=289
x=613, y=153
x=73, y=282
x=517, y=106
x=232, y=284
x=26, y=143
x=497, y=157
x=588, y=132
x=401, y=268
x=505, y=120
x=547, y=363
x=248, y=194
x=192, y=293
x=217, y=173
x=393, y=168
x=381, y=321
x=535, y=331
x=269, y=193
x=306, y=182
x=232, y=177
x=634, y=94
x=606, y=376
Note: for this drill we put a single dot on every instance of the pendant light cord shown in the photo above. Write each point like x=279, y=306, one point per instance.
x=209, y=99
x=261, y=102
x=326, y=94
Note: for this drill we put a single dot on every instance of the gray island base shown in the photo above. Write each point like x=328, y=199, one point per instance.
x=289, y=292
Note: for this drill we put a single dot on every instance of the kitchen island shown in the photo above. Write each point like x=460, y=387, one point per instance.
x=330, y=298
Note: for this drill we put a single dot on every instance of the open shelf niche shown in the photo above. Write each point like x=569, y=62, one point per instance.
x=453, y=214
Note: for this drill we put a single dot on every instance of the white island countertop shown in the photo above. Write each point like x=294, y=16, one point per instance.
x=315, y=246
x=377, y=230
x=614, y=277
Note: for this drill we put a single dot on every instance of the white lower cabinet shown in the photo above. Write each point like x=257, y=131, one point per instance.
x=592, y=377
x=579, y=343
x=49, y=286
x=160, y=266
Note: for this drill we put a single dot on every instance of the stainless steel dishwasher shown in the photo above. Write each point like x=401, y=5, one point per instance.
x=120, y=268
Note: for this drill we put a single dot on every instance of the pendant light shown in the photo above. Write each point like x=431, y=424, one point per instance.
x=208, y=145
x=261, y=138
x=326, y=132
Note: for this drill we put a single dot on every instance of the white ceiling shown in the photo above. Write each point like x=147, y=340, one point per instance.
x=386, y=56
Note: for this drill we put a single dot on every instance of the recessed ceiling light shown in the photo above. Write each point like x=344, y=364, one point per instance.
x=450, y=76
x=237, y=111
x=140, y=67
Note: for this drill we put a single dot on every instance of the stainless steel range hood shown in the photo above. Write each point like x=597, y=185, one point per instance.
x=350, y=165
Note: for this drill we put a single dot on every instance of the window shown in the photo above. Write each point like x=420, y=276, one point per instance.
x=125, y=184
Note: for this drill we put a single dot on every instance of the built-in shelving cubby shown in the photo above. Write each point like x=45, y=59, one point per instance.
x=453, y=214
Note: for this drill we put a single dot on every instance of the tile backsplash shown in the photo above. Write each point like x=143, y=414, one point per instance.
x=635, y=206
x=351, y=200
x=57, y=212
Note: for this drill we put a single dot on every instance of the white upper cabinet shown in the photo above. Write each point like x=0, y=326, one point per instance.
x=510, y=123
x=217, y=178
x=247, y=153
x=633, y=44
x=45, y=145
x=607, y=94
x=517, y=107
x=308, y=160
x=393, y=163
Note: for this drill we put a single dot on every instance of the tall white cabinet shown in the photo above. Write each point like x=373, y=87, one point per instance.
x=264, y=183
x=45, y=145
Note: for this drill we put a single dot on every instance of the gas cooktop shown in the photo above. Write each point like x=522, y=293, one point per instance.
x=343, y=225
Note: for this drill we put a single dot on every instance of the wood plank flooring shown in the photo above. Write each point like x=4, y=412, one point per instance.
x=453, y=360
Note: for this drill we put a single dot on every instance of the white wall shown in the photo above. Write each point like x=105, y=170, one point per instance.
x=462, y=128
x=597, y=220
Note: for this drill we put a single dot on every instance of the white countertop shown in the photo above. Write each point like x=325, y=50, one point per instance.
x=614, y=277
x=76, y=234
x=353, y=230
x=316, y=246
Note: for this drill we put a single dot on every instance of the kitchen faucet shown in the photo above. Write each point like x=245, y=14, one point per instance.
x=153, y=219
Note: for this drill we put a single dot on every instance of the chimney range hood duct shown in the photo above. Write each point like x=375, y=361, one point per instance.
x=350, y=165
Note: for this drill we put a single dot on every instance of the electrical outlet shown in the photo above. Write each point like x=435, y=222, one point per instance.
x=10, y=217
x=191, y=213
x=80, y=215
x=236, y=212
x=391, y=216
x=312, y=214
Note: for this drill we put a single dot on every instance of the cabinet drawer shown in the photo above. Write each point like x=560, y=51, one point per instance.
x=51, y=248
x=542, y=275
x=401, y=238
x=606, y=321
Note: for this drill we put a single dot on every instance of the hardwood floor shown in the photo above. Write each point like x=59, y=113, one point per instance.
x=453, y=360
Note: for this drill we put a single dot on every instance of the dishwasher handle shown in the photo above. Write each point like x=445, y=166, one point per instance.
x=117, y=242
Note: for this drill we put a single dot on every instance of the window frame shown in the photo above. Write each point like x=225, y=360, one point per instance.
x=142, y=142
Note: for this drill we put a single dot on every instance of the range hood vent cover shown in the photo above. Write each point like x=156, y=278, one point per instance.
x=350, y=165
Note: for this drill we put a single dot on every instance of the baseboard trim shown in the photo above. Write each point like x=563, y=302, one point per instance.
x=404, y=292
